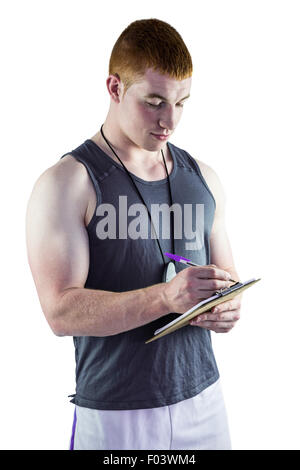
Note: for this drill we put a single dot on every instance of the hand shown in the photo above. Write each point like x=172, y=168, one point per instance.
x=192, y=285
x=222, y=318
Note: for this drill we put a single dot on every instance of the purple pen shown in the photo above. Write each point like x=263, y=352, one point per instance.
x=181, y=259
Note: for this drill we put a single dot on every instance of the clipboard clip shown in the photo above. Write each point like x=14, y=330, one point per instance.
x=227, y=290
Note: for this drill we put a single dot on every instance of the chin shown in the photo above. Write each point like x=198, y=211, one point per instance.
x=153, y=146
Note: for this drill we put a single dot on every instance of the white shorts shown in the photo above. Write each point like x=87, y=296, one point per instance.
x=198, y=423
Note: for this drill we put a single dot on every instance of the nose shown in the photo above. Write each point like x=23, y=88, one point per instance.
x=167, y=120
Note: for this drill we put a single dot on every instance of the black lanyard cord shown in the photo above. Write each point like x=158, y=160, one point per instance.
x=136, y=188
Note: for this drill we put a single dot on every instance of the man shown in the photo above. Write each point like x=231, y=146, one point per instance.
x=102, y=281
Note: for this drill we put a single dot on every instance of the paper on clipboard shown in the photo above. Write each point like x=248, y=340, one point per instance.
x=218, y=297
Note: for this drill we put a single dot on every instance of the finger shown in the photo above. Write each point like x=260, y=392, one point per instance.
x=215, y=329
x=213, y=325
x=229, y=316
x=210, y=272
x=223, y=312
x=227, y=306
x=203, y=294
x=222, y=330
x=210, y=284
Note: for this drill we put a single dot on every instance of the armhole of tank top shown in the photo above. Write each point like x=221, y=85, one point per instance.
x=202, y=178
x=95, y=184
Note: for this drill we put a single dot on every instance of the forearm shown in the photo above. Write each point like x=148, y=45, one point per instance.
x=88, y=312
x=234, y=275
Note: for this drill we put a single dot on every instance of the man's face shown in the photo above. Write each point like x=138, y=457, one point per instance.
x=142, y=115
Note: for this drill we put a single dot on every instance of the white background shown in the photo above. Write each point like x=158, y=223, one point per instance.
x=242, y=119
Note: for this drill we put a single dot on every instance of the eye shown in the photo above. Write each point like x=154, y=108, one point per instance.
x=154, y=105
x=158, y=105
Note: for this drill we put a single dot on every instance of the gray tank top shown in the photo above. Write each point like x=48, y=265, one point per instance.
x=121, y=371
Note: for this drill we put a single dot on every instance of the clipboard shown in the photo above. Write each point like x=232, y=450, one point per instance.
x=203, y=306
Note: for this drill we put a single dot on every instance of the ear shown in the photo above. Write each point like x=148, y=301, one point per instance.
x=115, y=87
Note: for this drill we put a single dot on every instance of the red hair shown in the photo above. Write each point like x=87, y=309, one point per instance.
x=149, y=43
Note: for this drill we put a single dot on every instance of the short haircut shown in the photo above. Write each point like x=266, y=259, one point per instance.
x=149, y=43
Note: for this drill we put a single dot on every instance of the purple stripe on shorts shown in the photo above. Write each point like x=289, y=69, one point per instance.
x=73, y=431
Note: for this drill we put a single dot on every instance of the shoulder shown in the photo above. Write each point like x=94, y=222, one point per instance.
x=217, y=190
x=211, y=177
x=67, y=169
x=64, y=183
x=214, y=183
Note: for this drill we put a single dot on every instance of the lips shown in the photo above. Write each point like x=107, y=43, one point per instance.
x=160, y=136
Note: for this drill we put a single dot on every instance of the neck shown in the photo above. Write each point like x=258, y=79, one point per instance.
x=126, y=149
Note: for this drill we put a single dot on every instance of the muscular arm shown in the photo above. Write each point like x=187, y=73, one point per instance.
x=221, y=253
x=58, y=255
x=224, y=316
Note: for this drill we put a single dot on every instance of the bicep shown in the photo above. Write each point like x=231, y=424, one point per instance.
x=220, y=249
x=57, y=241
